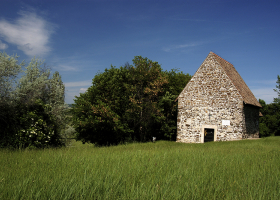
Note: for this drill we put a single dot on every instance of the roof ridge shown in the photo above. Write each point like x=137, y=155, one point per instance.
x=237, y=80
x=221, y=58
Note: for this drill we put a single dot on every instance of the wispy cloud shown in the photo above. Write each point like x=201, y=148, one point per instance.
x=181, y=46
x=82, y=90
x=30, y=32
x=3, y=45
x=75, y=88
x=263, y=89
x=69, y=63
x=263, y=82
x=67, y=68
x=266, y=94
x=74, y=63
x=187, y=45
x=78, y=83
x=71, y=92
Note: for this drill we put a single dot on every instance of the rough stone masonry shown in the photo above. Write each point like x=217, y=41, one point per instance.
x=217, y=98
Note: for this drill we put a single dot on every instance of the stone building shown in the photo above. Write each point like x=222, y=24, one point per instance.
x=217, y=105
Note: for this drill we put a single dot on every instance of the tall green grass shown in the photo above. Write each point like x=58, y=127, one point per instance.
x=248, y=169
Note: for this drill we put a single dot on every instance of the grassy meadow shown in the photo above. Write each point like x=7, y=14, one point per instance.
x=248, y=169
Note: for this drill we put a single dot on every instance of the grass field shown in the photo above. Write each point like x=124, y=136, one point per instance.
x=248, y=169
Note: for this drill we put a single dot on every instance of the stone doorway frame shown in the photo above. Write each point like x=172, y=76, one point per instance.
x=215, y=127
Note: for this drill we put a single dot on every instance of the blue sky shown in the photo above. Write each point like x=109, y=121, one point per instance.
x=82, y=38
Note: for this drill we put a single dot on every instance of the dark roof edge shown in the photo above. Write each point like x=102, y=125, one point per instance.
x=252, y=104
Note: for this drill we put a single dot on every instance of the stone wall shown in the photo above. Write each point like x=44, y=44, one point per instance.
x=210, y=100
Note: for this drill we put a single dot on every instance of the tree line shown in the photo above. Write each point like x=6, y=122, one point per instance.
x=270, y=121
x=129, y=103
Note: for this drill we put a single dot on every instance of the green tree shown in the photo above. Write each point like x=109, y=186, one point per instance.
x=98, y=114
x=33, y=107
x=133, y=102
x=263, y=122
x=176, y=82
x=41, y=93
x=145, y=88
x=121, y=105
x=9, y=70
x=37, y=83
x=274, y=109
x=277, y=100
x=270, y=122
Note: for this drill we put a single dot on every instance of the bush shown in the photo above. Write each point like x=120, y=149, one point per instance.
x=32, y=107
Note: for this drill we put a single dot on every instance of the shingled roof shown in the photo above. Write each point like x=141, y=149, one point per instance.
x=239, y=83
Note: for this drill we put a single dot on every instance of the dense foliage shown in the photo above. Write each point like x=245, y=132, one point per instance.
x=130, y=103
x=32, y=107
x=270, y=122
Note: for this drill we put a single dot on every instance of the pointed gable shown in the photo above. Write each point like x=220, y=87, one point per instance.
x=247, y=95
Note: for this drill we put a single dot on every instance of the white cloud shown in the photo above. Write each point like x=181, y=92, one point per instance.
x=66, y=68
x=266, y=94
x=78, y=83
x=29, y=32
x=82, y=90
x=166, y=49
x=75, y=88
x=187, y=45
x=181, y=46
x=3, y=46
x=271, y=82
x=74, y=63
x=71, y=92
